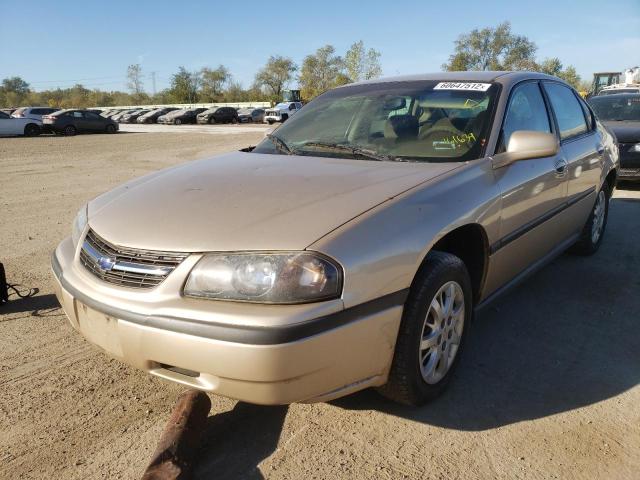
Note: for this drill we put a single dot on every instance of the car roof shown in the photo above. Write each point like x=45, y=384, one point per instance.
x=506, y=78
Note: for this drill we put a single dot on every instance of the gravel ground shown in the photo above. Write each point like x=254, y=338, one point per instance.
x=548, y=387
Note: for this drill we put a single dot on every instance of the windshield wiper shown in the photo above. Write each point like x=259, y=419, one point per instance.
x=280, y=144
x=355, y=150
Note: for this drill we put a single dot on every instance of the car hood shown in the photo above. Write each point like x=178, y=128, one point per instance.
x=249, y=201
x=626, y=132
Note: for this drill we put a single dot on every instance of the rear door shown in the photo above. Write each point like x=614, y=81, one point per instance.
x=581, y=145
x=79, y=121
x=533, y=192
x=10, y=126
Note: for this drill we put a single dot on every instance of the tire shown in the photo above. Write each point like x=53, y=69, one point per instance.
x=270, y=122
x=234, y=120
x=69, y=131
x=110, y=129
x=177, y=121
x=593, y=231
x=212, y=121
x=419, y=372
x=284, y=117
x=32, y=130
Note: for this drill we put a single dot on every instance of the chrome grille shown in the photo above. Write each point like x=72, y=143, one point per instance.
x=125, y=266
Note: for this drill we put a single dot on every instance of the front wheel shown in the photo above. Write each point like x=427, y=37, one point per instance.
x=593, y=231
x=32, y=130
x=111, y=128
x=434, y=325
x=178, y=121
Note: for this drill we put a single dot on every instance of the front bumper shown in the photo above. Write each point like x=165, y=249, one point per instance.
x=313, y=352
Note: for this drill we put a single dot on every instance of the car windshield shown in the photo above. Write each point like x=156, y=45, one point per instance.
x=626, y=108
x=426, y=121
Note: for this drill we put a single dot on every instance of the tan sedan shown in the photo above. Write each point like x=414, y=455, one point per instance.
x=351, y=247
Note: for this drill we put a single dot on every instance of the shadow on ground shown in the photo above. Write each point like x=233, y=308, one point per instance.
x=235, y=442
x=37, y=306
x=566, y=338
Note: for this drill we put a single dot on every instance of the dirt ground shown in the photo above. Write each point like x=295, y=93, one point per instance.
x=548, y=387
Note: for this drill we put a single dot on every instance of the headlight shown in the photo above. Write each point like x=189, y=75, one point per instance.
x=293, y=277
x=635, y=148
x=79, y=225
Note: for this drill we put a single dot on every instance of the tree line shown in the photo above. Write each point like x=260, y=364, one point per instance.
x=491, y=48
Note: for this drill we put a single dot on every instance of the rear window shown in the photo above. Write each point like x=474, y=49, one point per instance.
x=569, y=113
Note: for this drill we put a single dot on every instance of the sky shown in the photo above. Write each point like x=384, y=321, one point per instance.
x=59, y=43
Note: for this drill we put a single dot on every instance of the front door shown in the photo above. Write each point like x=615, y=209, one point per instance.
x=533, y=193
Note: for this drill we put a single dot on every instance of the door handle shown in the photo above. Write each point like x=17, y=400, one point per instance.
x=561, y=167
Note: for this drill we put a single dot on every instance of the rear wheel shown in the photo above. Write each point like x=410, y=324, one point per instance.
x=270, y=122
x=32, y=130
x=234, y=120
x=593, y=231
x=434, y=324
x=212, y=120
x=111, y=128
x=69, y=130
x=178, y=121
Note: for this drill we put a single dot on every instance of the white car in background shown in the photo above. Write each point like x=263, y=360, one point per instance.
x=28, y=127
x=35, y=113
x=281, y=112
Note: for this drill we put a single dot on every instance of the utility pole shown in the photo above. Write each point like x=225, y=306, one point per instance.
x=153, y=82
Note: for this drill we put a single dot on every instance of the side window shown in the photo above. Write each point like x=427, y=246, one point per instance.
x=526, y=111
x=591, y=124
x=77, y=115
x=292, y=106
x=569, y=113
x=92, y=116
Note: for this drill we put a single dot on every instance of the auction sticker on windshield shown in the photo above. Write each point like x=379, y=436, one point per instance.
x=480, y=87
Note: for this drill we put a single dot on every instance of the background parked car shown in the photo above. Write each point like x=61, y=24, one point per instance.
x=122, y=113
x=251, y=115
x=178, y=117
x=33, y=112
x=153, y=115
x=218, y=115
x=19, y=126
x=281, y=112
x=621, y=114
x=8, y=111
x=133, y=116
x=70, y=122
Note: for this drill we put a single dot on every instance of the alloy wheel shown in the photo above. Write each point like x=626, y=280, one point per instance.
x=441, y=332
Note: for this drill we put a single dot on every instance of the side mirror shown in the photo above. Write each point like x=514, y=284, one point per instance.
x=527, y=144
